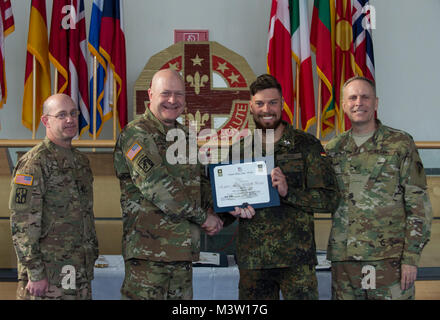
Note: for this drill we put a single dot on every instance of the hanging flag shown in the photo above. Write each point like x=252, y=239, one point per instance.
x=67, y=51
x=344, y=56
x=322, y=40
x=112, y=48
x=103, y=95
x=38, y=47
x=6, y=27
x=301, y=54
x=78, y=73
x=363, y=40
x=279, y=54
x=59, y=42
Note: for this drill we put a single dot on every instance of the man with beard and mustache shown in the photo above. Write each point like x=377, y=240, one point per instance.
x=276, y=245
x=51, y=203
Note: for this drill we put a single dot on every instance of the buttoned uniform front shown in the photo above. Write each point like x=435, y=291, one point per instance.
x=283, y=237
x=52, y=219
x=160, y=201
x=385, y=210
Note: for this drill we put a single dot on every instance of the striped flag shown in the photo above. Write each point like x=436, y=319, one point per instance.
x=7, y=17
x=59, y=43
x=78, y=73
x=363, y=40
x=68, y=51
x=112, y=48
x=104, y=89
x=344, y=56
x=38, y=47
x=6, y=27
x=301, y=53
x=279, y=54
x=322, y=40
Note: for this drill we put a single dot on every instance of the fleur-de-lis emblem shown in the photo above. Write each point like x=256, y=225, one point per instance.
x=198, y=120
x=197, y=82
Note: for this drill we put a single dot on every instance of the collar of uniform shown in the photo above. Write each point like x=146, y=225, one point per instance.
x=368, y=146
x=63, y=155
x=149, y=116
x=54, y=147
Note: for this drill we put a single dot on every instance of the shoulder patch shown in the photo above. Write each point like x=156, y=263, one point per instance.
x=145, y=163
x=24, y=179
x=134, y=150
x=21, y=195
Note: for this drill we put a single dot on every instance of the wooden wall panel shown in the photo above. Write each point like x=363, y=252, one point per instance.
x=8, y=259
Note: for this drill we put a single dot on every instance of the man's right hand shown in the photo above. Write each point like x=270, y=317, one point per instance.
x=213, y=224
x=38, y=288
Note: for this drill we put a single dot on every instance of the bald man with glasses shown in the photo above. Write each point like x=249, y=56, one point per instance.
x=51, y=205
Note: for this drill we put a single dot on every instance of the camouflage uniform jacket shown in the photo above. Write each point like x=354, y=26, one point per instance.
x=385, y=210
x=160, y=201
x=52, y=218
x=284, y=236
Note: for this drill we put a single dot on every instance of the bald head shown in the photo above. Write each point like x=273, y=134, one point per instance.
x=60, y=117
x=167, y=96
x=51, y=103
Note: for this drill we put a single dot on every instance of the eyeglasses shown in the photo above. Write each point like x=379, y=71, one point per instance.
x=64, y=115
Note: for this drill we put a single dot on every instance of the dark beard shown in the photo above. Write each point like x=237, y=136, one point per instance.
x=264, y=128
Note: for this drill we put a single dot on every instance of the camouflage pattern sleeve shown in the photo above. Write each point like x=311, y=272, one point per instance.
x=26, y=205
x=318, y=191
x=418, y=210
x=91, y=245
x=207, y=200
x=150, y=173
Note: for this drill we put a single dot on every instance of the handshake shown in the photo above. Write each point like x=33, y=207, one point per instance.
x=213, y=223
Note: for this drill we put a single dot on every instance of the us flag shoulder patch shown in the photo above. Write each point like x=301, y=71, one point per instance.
x=24, y=179
x=134, y=150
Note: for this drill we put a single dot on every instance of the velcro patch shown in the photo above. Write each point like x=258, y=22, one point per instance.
x=24, y=179
x=134, y=150
x=21, y=195
x=145, y=164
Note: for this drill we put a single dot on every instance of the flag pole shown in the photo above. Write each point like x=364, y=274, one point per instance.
x=297, y=96
x=318, y=120
x=55, y=87
x=115, y=109
x=34, y=95
x=95, y=89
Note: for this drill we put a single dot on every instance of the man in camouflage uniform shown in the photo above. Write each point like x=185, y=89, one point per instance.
x=384, y=218
x=51, y=205
x=161, y=202
x=276, y=246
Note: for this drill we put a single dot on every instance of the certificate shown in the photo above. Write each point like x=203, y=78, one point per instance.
x=242, y=184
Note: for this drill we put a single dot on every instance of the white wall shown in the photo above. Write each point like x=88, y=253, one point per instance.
x=406, y=47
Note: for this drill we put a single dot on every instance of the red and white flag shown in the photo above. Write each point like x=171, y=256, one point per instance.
x=301, y=52
x=68, y=51
x=279, y=54
x=6, y=27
